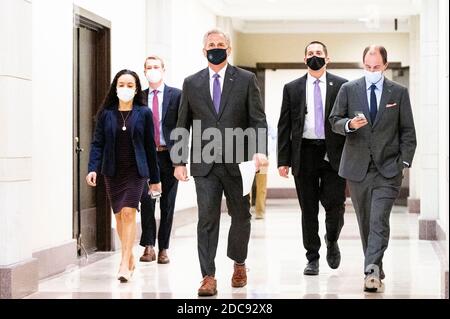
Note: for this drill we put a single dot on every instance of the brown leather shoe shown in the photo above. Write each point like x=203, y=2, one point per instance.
x=208, y=287
x=239, y=278
x=149, y=254
x=162, y=257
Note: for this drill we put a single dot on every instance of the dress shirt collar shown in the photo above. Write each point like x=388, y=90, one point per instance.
x=379, y=84
x=159, y=88
x=322, y=79
x=221, y=72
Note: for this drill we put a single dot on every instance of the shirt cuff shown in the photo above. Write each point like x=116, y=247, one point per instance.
x=347, y=127
x=406, y=164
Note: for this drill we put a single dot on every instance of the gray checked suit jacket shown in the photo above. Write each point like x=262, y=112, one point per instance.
x=240, y=108
x=389, y=141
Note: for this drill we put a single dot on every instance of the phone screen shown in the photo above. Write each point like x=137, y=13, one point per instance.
x=155, y=195
x=360, y=115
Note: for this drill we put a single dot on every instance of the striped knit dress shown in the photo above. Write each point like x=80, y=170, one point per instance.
x=125, y=188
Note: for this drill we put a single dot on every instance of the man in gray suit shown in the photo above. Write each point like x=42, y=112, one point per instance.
x=375, y=115
x=221, y=98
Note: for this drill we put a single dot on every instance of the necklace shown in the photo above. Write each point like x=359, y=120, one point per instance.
x=124, y=127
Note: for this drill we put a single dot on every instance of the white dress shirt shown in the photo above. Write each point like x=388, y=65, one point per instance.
x=378, y=92
x=310, y=117
x=221, y=78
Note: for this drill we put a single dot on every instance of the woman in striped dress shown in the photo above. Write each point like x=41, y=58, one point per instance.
x=124, y=152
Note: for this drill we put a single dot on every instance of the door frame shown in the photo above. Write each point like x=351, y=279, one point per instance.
x=87, y=19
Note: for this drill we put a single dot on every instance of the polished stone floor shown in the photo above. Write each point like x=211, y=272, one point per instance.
x=275, y=264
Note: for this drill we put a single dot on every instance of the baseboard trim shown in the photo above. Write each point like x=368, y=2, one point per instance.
x=54, y=260
x=281, y=193
x=402, y=198
x=414, y=205
x=427, y=229
x=442, y=248
x=440, y=233
x=19, y=280
x=445, y=285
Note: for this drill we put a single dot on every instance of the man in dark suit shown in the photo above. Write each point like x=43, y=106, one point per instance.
x=307, y=144
x=221, y=98
x=375, y=115
x=164, y=101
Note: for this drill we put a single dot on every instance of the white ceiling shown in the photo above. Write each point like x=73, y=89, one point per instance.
x=286, y=16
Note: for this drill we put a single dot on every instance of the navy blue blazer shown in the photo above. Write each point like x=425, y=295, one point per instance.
x=102, y=157
x=171, y=103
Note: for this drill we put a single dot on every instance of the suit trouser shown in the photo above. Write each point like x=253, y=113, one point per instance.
x=209, y=198
x=169, y=186
x=373, y=199
x=318, y=181
x=260, y=194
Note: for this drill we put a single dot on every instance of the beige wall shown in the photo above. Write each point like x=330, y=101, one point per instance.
x=254, y=48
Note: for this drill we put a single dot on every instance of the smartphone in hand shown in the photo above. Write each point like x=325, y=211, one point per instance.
x=154, y=195
x=360, y=115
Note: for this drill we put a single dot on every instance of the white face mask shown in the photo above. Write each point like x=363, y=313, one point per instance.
x=125, y=94
x=373, y=77
x=153, y=75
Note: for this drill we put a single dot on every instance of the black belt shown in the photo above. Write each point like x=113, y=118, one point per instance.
x=162, y=148
x=308, y=141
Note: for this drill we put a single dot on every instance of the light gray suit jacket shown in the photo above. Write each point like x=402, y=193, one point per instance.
x=389, y=141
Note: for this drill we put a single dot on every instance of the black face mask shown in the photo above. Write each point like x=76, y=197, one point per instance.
x=315, y=63
x=216, y=56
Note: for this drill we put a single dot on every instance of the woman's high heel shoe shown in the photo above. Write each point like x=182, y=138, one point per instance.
x=132, y=268
x=124, y=276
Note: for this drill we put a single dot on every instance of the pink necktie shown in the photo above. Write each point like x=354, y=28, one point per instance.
x=155, y=110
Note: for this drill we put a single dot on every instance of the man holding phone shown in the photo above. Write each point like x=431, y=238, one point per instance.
x=164, y=102
x=378, y=146
x=360, y=115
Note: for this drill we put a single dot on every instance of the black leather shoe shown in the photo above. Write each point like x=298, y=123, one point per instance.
x=312, y=268
x=333, y=254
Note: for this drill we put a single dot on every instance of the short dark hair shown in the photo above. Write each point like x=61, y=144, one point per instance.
x=378, y=48
x=325, y=50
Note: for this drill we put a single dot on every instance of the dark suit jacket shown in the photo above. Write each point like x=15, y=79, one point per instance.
x=389, y=141
x=171, y=103
x=292, y=121
x=102, y=157
x=240, y=107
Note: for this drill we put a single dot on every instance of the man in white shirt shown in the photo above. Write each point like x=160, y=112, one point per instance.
x=164, y=101
x=307, y=144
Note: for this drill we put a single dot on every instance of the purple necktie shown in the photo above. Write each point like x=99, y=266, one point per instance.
x=318, y=108
x=216, y=92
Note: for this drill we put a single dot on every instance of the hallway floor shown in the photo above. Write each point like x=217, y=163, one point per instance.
x=276, y=260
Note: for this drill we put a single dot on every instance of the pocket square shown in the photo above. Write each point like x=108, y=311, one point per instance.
x=391, y=105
